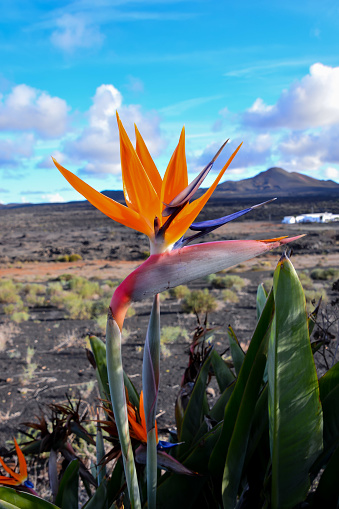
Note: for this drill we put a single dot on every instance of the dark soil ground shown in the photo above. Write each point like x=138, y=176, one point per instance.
x=44, y=357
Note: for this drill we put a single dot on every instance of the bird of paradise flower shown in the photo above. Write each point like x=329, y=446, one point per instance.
x=18, y=480
x=163, y=210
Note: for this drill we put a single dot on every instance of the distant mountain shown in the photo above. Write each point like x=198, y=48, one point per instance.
x=274, y=182
x=277, y=182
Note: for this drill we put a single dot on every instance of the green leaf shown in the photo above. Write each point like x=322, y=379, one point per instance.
x=329, y=397
x=99, y=352
x=193, y=415
x=295, y=414
x=99, y=499
x=327, y=492
x=100, y=453
x=261, y=299
x=248, y=374
x=222, y=372
x=67, y=497
x=237, y=353
x=183, y=491
x=22, y=500
x=115, y=482
x=238, y=443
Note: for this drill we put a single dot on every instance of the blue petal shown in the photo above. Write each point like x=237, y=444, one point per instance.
x=162, y=445
x=205, y=227
x=28, y=484
x=212, y=224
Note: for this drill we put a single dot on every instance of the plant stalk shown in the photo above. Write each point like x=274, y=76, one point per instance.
x=150, y=383
x=118, y=398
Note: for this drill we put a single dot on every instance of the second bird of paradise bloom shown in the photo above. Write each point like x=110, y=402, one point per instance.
x=18, y=480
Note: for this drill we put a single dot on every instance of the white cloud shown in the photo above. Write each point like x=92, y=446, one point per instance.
x=47, y=162
x=29, y=109
x=332, y=173
x=301, y=151
x=309, y=103
x=53, y=198
x=74, y=32
x=253, y=152
x=98, y=146
x=13, y=151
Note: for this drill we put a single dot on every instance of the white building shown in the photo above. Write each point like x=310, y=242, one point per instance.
x=320, y=217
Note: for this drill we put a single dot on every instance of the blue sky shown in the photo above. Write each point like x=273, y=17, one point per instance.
x=265, y=73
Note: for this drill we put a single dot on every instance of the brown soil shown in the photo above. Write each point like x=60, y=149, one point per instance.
x=31, y=241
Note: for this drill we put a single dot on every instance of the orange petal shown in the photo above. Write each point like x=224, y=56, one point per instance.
x=175, y=179
x=22, y=462
x=185, y=218
x=8, y=481
x=11, y=472
x=140, y=194
x=109, y=207
x=147, y=162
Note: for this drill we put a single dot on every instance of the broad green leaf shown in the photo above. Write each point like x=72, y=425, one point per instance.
x=100, y=453
x=193, y=413
x=295, y=414
x=247, y=375
x=222, y=372
x=327, y=492
x=99, y=499
x=22, y=500
x=7, y=505
x=329, y=397
x=183, y=491
x=261, y=299
x=115, y=482
x=99, y=351
x=237, y=352
x=238, y=443
x=67, y=497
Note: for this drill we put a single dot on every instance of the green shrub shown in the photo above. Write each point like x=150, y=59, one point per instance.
x=54, y=289
x=130, y=312
x=75, y=307
x=35, y=300
x=8, y=292
x=180, y=292
x=83, y=287
x=325, y=274
x=164, y=295
x=74, y=257
x=305, y=280
x=20, y=316
x=230, y=296
x=229, y=281
x=33, y=289
x=199, y=301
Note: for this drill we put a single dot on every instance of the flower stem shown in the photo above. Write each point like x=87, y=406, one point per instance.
x=118, y=397
x=150, y=383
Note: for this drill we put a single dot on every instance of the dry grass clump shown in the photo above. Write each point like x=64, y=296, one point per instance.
x=179, y=292
x=8, y=292
x=233, y=282
x=74, y=257
x=327, y=274
x=7, y=332
x=230, y=296
x=170, y=334
x=199, y=301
